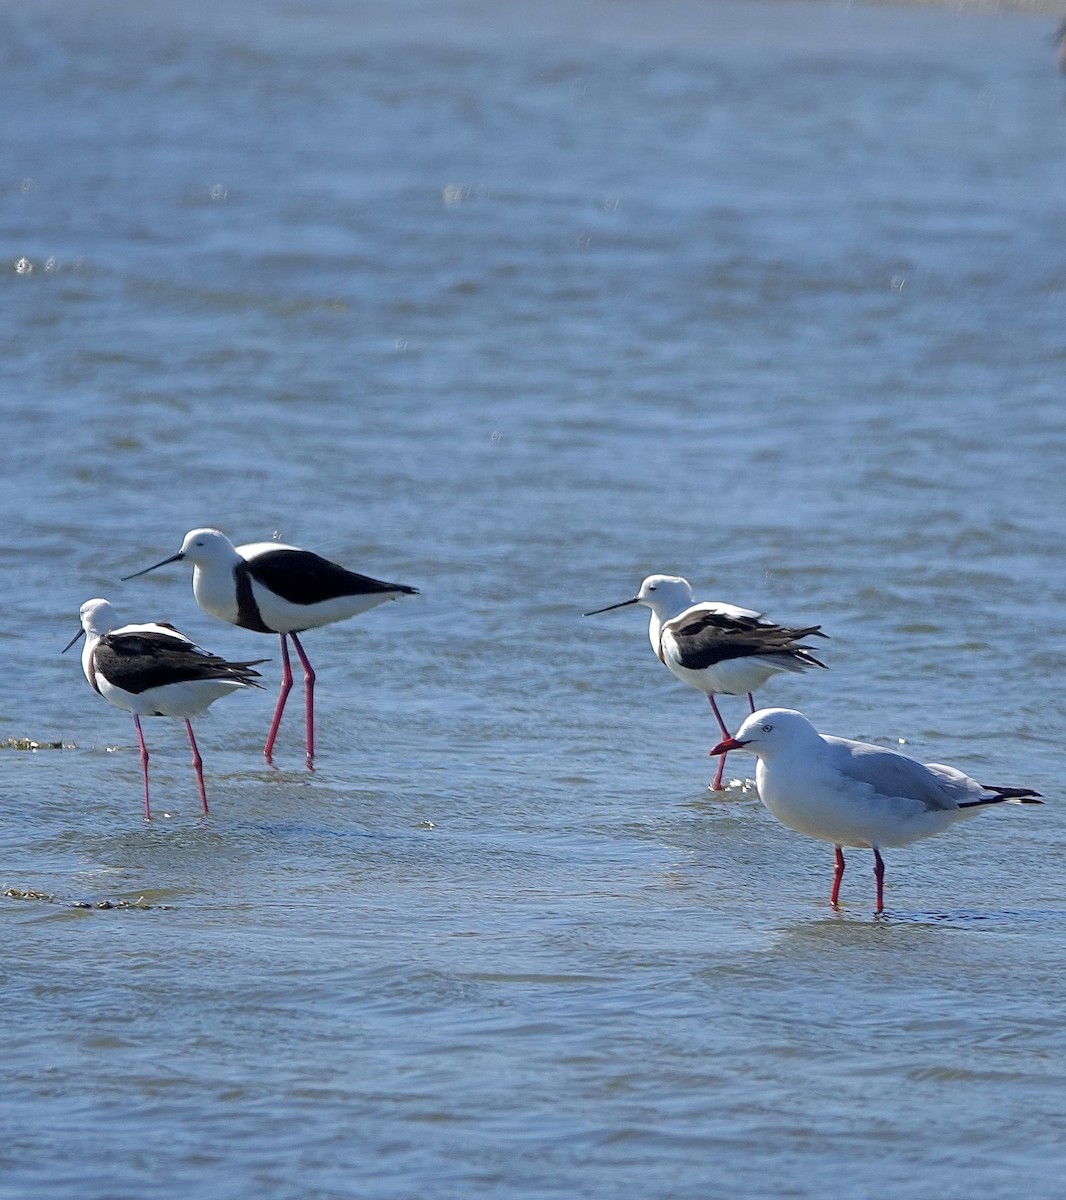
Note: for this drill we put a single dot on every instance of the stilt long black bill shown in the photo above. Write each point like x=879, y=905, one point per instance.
x=77, y=637
x=173, y=558
x=620, y=604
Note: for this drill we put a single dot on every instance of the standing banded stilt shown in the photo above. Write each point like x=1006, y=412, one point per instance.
x=274, y=588
x=717, y=648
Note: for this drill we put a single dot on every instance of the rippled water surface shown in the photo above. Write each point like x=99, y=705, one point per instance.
x=518, y=307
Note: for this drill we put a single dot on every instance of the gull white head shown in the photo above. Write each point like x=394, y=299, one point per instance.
x=769, y=732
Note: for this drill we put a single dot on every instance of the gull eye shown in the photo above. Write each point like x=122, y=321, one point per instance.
x=767, y=729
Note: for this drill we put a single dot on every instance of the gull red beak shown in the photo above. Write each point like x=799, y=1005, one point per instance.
x=723, y=747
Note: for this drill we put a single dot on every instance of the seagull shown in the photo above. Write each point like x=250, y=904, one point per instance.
x=856, y=794
x=274, y=588
x=154, y=671
x=717, y=648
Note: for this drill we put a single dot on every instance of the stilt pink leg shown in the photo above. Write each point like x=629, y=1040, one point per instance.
x=309, y=692
x=879, y=875
x=198, y=764
x=751, y=701
x=283, y=695
x=838, y=875
x=144, y=767
x=716, y=785
x=718, y=717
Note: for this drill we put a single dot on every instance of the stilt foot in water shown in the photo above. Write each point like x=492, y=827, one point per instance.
x=198, y=765
x=283, y=695
x=144, y=767
x=717, y=785
x=309, y=694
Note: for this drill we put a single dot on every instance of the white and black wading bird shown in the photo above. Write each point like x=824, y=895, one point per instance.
x=270, y=587
x=154, y=671
x=719, y=649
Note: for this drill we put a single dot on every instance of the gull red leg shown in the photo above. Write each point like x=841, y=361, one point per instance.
x=283, y=695
x=198, y=764
x=144, y=767
x=879, y=875
x=309, y=691
x=838, y=875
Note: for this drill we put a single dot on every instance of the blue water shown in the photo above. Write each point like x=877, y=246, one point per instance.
x=518, y=305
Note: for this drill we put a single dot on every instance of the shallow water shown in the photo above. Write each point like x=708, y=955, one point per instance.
x=517, y=308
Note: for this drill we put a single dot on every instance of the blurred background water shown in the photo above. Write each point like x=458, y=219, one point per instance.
x=517, y=305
